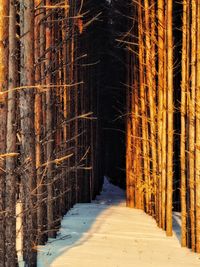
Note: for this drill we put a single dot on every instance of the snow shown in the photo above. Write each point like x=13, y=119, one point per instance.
x=177, y=225
x=106, y=233
x=19, y=233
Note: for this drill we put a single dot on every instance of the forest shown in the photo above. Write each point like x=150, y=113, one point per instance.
x=92, y=88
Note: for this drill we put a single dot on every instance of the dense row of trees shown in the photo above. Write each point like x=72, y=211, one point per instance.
x=190, y=126
x=56, y=59
x=49, y=138
x=152, y=76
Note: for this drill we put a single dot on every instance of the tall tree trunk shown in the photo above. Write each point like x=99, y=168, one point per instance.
x=188, y=30
x=38, y=123
x=4, y=22
x=11, y=257
x=143, y=107
x=152, y=108
x=155, y=195
x=183, y=128
x=65, y=33
x=192, y=123
x=28, y=138
x=164, y=124
x=49, y=125
x=170, y=116
x=197, y=166
x=161, y=37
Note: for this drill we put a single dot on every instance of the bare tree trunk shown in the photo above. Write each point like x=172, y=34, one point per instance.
x=4, y=22
x=11, y=255
x=49, y=126
x=164, y=124
x=192, y=124
x=188, y=30
x=72, y=106
x=65, y=33
x=28, y=138
x=152, y=107
x=183, y=128
x=161, y=37
x=137, y=174
x=76, y=123
x=153, y=42
x=38, y=122
x=170, y=116
x=132, y=131
x=143, y=106
x=197, y=162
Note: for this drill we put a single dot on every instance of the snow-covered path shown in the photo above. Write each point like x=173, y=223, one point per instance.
x=107, y=234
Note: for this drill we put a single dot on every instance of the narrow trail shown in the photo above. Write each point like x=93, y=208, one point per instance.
x=107, y=234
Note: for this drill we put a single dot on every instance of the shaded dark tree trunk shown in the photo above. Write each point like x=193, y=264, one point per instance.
x=11, y=175
x=28, y=139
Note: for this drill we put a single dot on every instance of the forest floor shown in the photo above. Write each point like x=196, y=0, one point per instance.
x=107, y=234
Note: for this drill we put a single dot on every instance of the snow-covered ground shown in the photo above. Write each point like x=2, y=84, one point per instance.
x=19, y=233
x=107, y=234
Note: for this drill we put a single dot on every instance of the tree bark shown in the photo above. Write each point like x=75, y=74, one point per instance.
x=143, y=108
x=4, y=22
x=170, y=116
x=28, y=138
x=183, y=129
x=49, y=126
x=192, y=125
x=161, y=37
x=41, y=188
x=11, y=255
x=152, y=108
x=197, y=163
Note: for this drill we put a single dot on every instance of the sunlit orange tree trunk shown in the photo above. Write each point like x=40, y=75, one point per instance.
x=192, y=100
x=4, y=22
x=197, y=166
x=161, y=112
x=41, y=210
x=170, y=115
